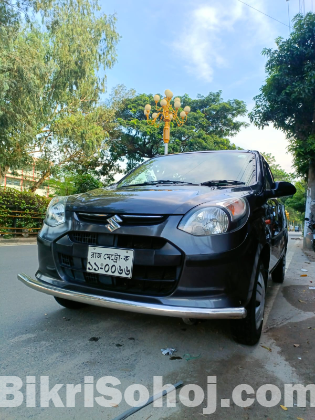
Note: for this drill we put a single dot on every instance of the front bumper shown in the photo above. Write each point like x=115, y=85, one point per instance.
x=169, y=264
x=133, y=306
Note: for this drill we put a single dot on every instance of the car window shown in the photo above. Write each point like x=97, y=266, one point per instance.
x=196, y=168
x=268, y=177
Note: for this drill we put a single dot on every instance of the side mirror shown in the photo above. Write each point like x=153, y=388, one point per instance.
x=282, y=189
x=307, y=219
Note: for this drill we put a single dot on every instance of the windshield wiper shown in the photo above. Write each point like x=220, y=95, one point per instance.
x=160, y=181
x=220, y=182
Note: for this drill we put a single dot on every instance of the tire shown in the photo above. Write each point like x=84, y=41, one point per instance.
x=278, y=273
x=248, y=330
x=70, y=304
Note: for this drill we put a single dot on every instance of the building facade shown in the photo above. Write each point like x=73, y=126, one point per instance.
x=22, y=180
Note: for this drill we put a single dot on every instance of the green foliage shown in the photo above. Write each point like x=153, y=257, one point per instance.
x=295, y=217
x=101, y=165
x=209, y=123
x=279, y=174
x=50, y=86
x=84, y=183
x=22, y=71
x=297, y=201
x=295, y=205
x=13, y=199
x=72, y=183
x=22, y=205
x=23, y=9
x=62, y=186
x=287, y=98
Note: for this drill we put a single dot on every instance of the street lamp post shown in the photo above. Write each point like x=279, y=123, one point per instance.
x=166, y=112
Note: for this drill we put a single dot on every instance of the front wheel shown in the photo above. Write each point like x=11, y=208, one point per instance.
x=70, y=304
x=248, y=330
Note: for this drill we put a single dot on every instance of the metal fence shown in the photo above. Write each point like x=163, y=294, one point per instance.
x=20, y=223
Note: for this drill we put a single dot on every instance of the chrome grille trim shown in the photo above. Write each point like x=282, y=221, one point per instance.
x=93, y=214
x=139, y=216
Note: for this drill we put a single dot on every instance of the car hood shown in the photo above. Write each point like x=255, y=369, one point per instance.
x=153, y=200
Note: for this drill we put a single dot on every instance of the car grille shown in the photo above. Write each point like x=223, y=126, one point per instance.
x=121, y=241
x=127, y=219
x=156, y=269
x=84, y=238
x=66, y=260
x=91, y=278
x=152, y=280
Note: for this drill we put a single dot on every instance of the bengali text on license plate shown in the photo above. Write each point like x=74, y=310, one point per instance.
x=110, y=261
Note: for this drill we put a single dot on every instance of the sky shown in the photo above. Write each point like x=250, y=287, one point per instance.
x=197, y=47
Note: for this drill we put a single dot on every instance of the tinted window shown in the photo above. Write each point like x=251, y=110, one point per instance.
x=269, y=182
x=196, y=168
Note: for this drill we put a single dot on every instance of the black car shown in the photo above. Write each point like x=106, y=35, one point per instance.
x=190, y=235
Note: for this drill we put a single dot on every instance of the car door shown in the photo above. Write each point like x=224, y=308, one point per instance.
x=274, y=219
x=277, y=239
x=273, y=232
x=284, y=238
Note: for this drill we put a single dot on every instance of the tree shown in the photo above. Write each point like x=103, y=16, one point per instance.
x=295, y=205
x=279, y=174
x=23, y=9
x=73, y=183
x=297, y=202
x=61, y=121
x=86, y=182
x=287, y=98
x=210, y=123
x=21, y=72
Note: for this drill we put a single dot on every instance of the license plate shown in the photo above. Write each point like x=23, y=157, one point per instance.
x=110, y=261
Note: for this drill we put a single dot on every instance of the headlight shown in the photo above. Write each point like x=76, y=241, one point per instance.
x=55, y=214
x=214, y=218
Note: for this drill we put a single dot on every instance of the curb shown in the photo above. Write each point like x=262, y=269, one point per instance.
x=20, y=241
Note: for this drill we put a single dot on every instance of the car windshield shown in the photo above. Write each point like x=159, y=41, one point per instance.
x=219, y=168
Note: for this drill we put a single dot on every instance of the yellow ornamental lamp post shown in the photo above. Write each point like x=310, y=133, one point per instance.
x=166, y=113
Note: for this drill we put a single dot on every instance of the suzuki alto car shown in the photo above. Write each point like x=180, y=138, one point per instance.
x=191, y=235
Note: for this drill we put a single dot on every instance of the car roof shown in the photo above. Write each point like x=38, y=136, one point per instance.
x=211, y=151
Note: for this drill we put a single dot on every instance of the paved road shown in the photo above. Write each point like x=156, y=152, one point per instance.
x=39, y=338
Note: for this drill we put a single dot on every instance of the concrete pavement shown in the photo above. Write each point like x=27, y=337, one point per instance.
x=39, y=338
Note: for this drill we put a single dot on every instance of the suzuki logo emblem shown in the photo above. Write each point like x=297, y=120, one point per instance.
x=113, y=223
